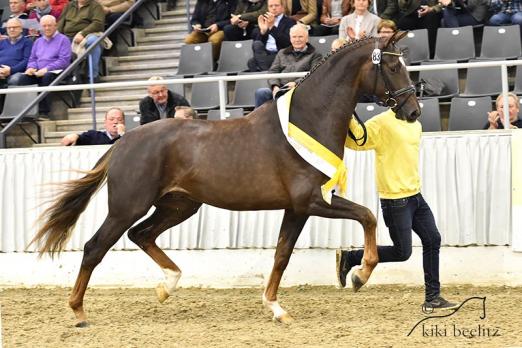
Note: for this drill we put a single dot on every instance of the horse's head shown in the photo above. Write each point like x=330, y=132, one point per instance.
x=387, y=78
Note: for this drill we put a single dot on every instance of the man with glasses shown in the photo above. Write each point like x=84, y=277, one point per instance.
x=14, y=52
x=160, y=103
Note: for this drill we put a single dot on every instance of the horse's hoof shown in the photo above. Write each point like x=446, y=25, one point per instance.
x=284, y=319
x=357, y=283
x=161, y=293
x=82, y=323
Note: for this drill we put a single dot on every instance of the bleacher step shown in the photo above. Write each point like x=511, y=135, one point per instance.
x=177, y=12
x=135, y=77
x=154, y=49
x=182, y=28
x=146, y=57
x=153, y=40
x=172, y=20
x=128, y=67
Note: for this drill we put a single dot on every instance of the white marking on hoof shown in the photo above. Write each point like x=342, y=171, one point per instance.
x=280, y=314
x=171, y=280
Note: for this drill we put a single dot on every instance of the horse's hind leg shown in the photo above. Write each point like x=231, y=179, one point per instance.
x=290, y=229
x=94, y=251
x=345, y=209
x=170, y=211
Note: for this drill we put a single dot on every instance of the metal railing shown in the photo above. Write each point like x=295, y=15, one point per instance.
x=503, y=65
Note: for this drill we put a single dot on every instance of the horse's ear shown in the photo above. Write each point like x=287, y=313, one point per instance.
x=396, y=37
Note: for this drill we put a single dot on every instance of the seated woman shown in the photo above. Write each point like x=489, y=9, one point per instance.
x=39, y=8
x=460, y=13
x=303, y=11
x=333, y=12
x=360, y=23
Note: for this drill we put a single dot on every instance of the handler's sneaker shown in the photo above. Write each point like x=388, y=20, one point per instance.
x=438, y=303
x=342, y=266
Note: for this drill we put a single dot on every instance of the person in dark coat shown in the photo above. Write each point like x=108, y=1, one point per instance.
x=244, y=20
x=114, y=129
x=160, y=103
x=272, y=35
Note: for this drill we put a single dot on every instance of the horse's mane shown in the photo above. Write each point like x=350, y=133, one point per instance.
x=347, y=46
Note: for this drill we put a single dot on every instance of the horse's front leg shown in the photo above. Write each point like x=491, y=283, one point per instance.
x=290, y=230
x=345, y=209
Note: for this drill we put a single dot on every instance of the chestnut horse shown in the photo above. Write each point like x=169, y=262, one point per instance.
x=242, y=164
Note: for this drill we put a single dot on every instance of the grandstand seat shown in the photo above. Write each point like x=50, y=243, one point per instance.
x=430, y=115
x=244, y=93
x=14, y=103
x=455, y=44
x=469, y=113
x=131, y=121
x=234, y=56
x=322, y=44
x=195, y=59
x=450, y=78
x=365, y=111
x=214, y=115
x=205, y=96
x=417, y=43
x=177, y=88
x=485, y=81
x=501, y=42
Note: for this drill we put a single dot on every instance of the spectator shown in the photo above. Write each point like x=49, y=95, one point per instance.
x=421, y=14
x=506, y=12
x=42, y=8
x=50, y=55
x=56, y=5
x=385, y=29
x=243, y=20
x=14, y=52
x=360, y=23
x=496, y=117
x=460, y=13
x=114, y=130
x=113, y=9
x=272, y=35
x=338, y=43
x=160, y=103
x=80, y=21
x=17, y=8
x=185, y=112
x=303, y=11
x=208, y=21
x=300, y=56
x=332, y=13
x=386, y=9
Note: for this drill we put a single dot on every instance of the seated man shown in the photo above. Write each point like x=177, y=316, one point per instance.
x=496, y=117
x=160, y=103
x=50, y=55
x=114, y=9
x=208, y=20
x=272, y=35
x=79, y=21
x=506, y=12
x=301, y=56
x=17, y=8
x=185, y=112
x=243, y=20
x=460, y=13
x=114, y=129
x=14, y=52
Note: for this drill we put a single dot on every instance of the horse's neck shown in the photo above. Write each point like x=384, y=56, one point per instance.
x=326, y=100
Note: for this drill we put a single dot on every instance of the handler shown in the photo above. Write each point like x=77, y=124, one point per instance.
x=396, y=144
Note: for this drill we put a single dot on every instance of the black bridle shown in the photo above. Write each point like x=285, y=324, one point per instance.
x=391, y=96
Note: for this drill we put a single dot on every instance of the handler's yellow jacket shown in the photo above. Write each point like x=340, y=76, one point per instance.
x=396, y=144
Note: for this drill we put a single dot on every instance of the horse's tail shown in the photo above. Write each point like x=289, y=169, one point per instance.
x=61, y=217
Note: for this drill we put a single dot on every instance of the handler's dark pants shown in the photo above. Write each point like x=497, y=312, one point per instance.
x=401, y=216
